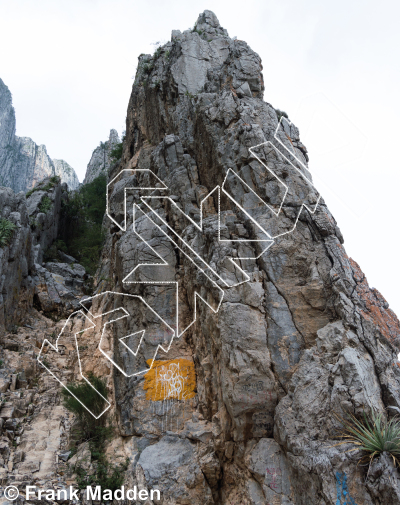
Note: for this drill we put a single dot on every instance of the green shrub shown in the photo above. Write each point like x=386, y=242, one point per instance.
x=373, y=436
x=62, y=246
x=116, y=153
x=6, y=231
x=94, y=430
x=107, y=476
x=51, y=253
x=91, y=427
x=35, y=225
x=157, y=53
x=83, y=216
x=148, y=67
x=281, y=113
x=45, y=205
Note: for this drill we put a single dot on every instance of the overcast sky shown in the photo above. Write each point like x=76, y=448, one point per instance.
x=332, y=66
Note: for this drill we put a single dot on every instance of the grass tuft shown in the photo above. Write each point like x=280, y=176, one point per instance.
x=372, y=435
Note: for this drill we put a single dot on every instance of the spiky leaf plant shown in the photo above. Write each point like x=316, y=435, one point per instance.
x=6, y=231
x=373, y=436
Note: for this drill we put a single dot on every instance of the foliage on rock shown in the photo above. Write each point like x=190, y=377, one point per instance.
x=83, y=215
x=45, y=205
x=116, y=153
x=6, y=231
x=107, y=475
x=91, y=428
x=55, y=179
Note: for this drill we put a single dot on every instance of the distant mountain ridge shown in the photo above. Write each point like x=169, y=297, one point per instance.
x=22, y=162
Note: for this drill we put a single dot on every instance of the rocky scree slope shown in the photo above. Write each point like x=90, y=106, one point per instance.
x=305, y=338
x=23, y=163
x=39, y=286
x=34, y=427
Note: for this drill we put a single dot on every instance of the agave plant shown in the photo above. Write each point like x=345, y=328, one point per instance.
x=6, y=231
x=373, y=436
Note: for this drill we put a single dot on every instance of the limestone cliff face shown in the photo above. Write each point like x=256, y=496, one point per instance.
x=281, y=338
x=36, y=222
x=7, y=127
x=22, y=162
x=16, y=261
x=66, y=173
x=230, y=324
x=100, y=162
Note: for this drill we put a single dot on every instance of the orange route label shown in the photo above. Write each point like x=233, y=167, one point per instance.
x=170, y=379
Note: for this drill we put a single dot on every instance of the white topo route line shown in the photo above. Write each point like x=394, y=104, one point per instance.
x=171, y=379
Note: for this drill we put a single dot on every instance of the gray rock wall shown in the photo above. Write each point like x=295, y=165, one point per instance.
x=44, y=208
x=303, y=339
x=7, y=128
x=66, y=173
x=21, y=274
x=273, y=341
x=100, y=161
x=16, y=262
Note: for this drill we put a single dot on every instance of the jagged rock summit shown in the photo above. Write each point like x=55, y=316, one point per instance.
x=297, y=337
x=66, y=173
x=22, y=162
x=100, y=161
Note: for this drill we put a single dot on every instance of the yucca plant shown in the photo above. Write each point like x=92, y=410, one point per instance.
x=373, y=436
x=6, y=231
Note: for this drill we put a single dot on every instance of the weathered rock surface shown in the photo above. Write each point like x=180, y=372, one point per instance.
x=44, y=206
x=301, y=339
x=16, y=261
x=100, y=162
x=172, y=466
x=23, y=163
x=56, y=290
x=34, y=426
x=66, y=173
x=256, y=349
x=55, y=294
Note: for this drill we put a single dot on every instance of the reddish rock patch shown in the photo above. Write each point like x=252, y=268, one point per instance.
x=376, y=307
